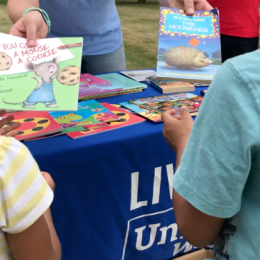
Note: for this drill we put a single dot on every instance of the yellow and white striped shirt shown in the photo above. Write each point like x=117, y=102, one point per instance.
x=24, y=194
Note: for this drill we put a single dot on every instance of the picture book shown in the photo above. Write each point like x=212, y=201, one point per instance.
x=147, y=113
x=122, y=81
x=170, y=86
x=34, y=124
x=174, y=101
x=138, y=75
x=126, y=119
x=91, y=85
x=89, y=113
x=188, y=46
x=111, y=94
x=43, y=78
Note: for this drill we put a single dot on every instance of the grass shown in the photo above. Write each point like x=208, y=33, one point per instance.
x=139, y=26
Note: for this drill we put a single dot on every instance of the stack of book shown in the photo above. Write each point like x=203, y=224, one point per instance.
x=106, y=85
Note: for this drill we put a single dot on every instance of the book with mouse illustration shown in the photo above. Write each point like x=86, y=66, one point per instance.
x=34, y=124
x=163, y=103
x=42, y=78
x=188, y=46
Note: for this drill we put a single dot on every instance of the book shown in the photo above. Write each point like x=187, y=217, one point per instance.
x=34, y=124
x=90, y=114
x=126, y=119
x=138, y=75
x=163, y=103
x=144, y=112
x=43, y=78
x=92, y=86
x=188, y=46
x=111, y=94
x=170, y=86
x=122, y=81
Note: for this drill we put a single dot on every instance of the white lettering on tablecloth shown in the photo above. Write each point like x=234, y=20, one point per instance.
x=135, y=204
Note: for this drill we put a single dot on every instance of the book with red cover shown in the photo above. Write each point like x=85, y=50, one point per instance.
x=126, y=119
x=34, y=124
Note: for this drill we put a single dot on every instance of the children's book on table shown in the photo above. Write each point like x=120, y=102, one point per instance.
x=34, y=124
x=43, y=78
x=188, y=46
x=126, y=119
x=163, y=103
x=106, y=85
x=138, y=75
x=170, y=86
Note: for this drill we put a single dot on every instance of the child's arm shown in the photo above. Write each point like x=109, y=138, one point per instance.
x=40, y=241
x=36, y=242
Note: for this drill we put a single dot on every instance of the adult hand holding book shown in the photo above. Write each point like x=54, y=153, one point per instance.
x=188, y=5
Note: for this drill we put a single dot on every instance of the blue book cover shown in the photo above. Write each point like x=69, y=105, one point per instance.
x=188, y=46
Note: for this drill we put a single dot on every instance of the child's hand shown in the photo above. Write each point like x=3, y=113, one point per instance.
x=8, y=130
x=177, y=129
x=49, y=180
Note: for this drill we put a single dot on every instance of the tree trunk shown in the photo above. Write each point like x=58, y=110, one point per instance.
x=141, y=1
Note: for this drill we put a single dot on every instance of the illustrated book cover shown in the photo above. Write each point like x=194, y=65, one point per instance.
x=144, y=112
x=126, y=119
x=91, y=85
x=34, y=124
x=138, y=75
x=43, y=78
x=188, y=46
x=90, y=114
x=170, y=86
x=174, y=101
x=124, y=82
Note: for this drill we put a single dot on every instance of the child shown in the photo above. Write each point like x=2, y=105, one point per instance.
x=26, y=227
x=216, y=187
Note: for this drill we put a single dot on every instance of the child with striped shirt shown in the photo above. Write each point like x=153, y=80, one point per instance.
x=26, y=228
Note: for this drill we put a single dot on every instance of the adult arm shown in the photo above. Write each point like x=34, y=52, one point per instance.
x=17, y=7
x=30, y=26
x=189, y=5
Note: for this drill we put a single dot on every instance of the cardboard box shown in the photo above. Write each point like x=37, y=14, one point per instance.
x=197, y=255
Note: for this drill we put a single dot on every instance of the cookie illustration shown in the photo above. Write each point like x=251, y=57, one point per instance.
x=5, y=61
x=69, y=75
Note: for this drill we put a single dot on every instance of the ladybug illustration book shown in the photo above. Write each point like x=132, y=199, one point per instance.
x=34, y=124
x=125, y=119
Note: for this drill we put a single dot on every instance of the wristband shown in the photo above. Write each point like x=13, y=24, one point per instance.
x=43, y=13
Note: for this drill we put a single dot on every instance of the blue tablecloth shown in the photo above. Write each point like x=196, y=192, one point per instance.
x=113, y=192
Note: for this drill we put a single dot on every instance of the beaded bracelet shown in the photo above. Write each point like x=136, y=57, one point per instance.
x=43, y=13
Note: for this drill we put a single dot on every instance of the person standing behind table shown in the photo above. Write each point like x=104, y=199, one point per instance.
x=239, y=26
x=97, y=21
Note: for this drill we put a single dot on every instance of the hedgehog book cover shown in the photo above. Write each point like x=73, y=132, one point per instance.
x=188, y=46
x=43, y=78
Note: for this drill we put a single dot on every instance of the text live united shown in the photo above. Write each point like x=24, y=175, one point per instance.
x=157, y=228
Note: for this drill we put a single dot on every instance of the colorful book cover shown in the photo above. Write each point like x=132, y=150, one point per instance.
x=34, y=124
x=188, y=46
x=147, y=113
x=126, y=119
x=138, y=75
x=122, y=81
x=91, y=85
x=89, y=113
x=174, y=101
x=110, y=94
x=170, y=86
x=43, y=78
